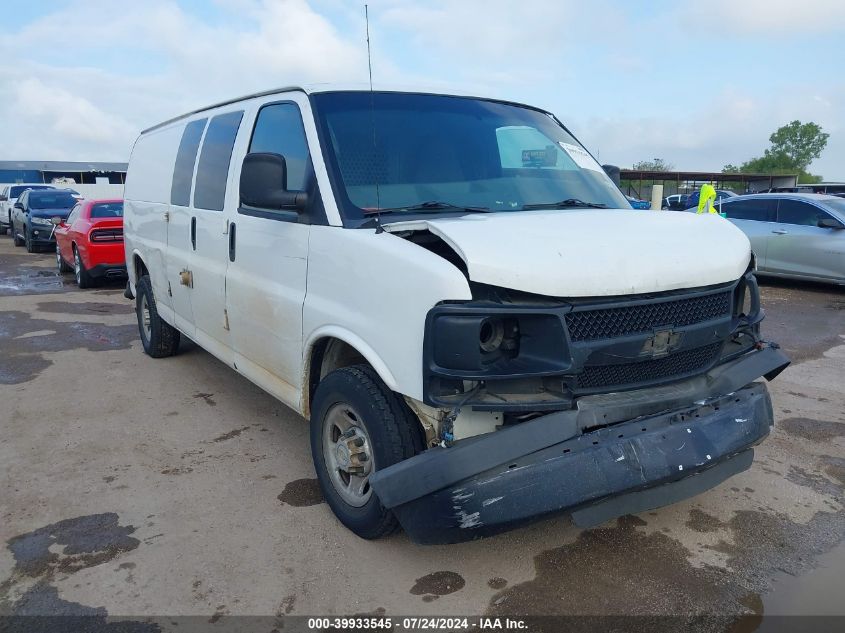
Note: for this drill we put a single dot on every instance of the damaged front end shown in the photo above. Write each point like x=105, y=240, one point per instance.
x=604, y=407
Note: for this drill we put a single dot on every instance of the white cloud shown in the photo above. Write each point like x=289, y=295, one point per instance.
x=624, y=78
x=57, y=111
x=765, y=17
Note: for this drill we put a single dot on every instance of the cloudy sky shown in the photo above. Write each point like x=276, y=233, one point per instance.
x=699, y=83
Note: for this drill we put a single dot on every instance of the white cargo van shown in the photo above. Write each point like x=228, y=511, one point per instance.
x=478, y=326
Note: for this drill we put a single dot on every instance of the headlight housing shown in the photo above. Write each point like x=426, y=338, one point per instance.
x=491, y=342
x=41, y=221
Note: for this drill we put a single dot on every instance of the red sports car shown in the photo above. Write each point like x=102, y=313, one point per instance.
x=90, y=241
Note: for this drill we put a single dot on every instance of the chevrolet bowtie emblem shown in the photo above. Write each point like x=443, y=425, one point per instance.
x=663, y=342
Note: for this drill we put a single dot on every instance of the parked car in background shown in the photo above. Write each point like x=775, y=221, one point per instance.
x=795, y=235
x=8, y=197
x=32, y=213
x=90, y=242
x=676, y=202
x=695, y=196
x=636, y=203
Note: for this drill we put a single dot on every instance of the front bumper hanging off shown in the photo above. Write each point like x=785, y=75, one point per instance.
x=616, y=454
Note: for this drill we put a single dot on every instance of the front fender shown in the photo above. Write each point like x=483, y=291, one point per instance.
x=353, y=340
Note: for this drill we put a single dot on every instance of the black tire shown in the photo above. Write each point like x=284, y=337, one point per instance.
x=160, y=339
x=17, y=241
x=83, y=278
x=27, y=240
x=60, y=263
x=394, y=432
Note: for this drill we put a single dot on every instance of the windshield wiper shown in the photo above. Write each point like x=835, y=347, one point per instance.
x=569, y=203
x=431, y=206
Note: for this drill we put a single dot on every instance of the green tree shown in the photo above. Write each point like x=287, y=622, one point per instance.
x=800, y=142
x=793, y=147
x=657, y=164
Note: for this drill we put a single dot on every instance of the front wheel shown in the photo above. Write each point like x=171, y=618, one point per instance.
x=15, y=239
x=60, y=262
x=359, y=425
x=27, y=238
x=158, y=337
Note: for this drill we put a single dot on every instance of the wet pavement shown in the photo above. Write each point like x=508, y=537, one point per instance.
x=141, y=487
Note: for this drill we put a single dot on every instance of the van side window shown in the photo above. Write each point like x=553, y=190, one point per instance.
x=279, y=130
x=183, y=170
x=213, y=169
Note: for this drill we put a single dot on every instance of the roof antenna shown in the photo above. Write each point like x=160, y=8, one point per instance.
x=379, y=228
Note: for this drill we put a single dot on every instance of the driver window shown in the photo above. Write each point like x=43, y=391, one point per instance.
x=74, y=213
x=279, y=130
x=800, y=213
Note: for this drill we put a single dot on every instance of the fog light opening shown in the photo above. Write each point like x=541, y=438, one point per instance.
x=491, y=334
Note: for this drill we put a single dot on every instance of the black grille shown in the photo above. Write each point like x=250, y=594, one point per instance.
x=675, y=365
x=602, y=323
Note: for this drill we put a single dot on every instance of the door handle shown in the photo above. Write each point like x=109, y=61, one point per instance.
x=780, y=231
x=194, y=233
x=232, y=242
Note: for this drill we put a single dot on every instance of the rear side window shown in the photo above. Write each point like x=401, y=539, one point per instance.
x=801, y=213
x=213, y=168
x=279, y=130
x=183, y=171
x=756, y=209
x=107, y=210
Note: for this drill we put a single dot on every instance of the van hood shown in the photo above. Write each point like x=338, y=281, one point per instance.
x=595, y=252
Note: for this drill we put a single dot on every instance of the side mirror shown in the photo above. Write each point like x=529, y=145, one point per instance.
x=18, y=205
x=56, y=220
x=264, y=179
x=3, y=198
x=831, y=223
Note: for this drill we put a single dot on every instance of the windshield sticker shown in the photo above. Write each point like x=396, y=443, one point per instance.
x=581, y=157
x=540, y=157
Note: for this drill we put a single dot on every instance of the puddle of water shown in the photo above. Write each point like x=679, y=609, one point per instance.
x=818, y=592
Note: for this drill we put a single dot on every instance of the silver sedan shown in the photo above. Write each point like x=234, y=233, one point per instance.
x=793, y=235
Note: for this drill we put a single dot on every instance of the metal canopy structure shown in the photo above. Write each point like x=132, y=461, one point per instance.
x=638, y=183
x=31, y=171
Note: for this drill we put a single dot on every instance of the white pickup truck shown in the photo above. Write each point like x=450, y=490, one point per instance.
x=478, y=326
x=9, y=195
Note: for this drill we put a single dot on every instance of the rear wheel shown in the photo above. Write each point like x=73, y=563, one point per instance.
x=159, y=338
x=60, y=263
x=83, y=279
x=359, y=425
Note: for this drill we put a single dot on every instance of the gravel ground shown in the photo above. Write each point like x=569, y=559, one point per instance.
x=139, y=487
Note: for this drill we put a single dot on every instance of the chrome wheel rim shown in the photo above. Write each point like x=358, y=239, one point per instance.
x=348, y=455
x=77, y=267
x=146, y=320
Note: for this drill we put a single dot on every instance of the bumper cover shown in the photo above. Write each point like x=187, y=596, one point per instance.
x=115, y=271
x=702, y=435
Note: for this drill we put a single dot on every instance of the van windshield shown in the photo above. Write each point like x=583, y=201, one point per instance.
x=414, y=152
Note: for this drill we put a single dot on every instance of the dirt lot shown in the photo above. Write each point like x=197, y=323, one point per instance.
x=133, y=486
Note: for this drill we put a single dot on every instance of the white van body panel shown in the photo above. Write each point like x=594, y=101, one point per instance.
x=146, y=200
x=379, y=288
x=593, y=252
